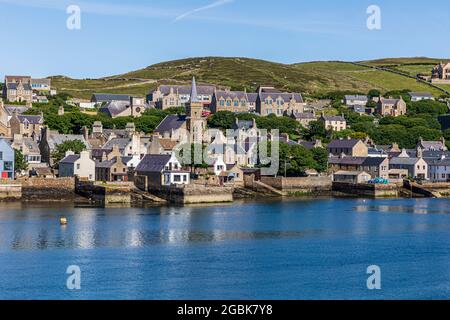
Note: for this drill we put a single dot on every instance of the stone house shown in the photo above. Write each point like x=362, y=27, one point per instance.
x=334, y=123
x=417, y=167
x=18, y=89
x=26, y=126
x=170, y=96
x=354, y=177
x=304, y=118
x=162, y=170
x=348, y=147
x=7, y=156
x=29, y=148
x=375, y=167
x=271, y=101
x=439, y=170
x=234, y=101
x=432, y=145
x=80, y=165
x=391, y=107
x=173, y=127
x=441, y=73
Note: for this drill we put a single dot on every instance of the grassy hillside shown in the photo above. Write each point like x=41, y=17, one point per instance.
x=240, y=73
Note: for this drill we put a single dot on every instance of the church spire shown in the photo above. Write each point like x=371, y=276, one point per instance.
x=194, y=93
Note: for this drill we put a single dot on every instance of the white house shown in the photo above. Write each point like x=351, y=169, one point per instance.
x=419, y=96
x=439, y=170
x=162, y=170
x=356, y=100
x=219, y=166
x=80, y=165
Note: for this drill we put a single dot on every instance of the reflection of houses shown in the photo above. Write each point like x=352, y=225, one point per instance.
x=6, y=160
x=391, y=107
x=162, y=170
x=80, y=165
x=348, y=147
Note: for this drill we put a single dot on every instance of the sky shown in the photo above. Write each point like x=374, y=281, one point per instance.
x=120, y=36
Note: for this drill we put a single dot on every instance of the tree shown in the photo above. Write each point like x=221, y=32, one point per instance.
x=19, y=161
x=73, y=145
x=320, y=156
x=222, y=120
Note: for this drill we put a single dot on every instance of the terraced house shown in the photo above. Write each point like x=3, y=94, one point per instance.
x=272, y=101
x=171, y=96
x=234, y=101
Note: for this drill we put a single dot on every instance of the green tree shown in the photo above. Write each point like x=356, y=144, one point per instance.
x=73, y=145
x=19, y=161
x=222, y=120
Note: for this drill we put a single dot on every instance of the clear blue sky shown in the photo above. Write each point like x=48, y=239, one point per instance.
x=120, y=36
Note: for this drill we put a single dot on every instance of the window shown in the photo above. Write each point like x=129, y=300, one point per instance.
x=177, y=178
x=222, y=103
x=78, y=166
x=236, y=103
x=8, y=166
x=1, y=155
x=185, y=178
x=228, y=103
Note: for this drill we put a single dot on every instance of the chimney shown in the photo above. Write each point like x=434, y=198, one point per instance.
x=97, y=127
x=104, y=157
x=85, y=154
x=419, y=152
x=85, y=132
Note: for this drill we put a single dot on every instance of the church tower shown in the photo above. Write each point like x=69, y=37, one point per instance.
x=196, y=123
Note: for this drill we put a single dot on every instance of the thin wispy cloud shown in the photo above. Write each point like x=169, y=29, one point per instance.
x=213, y=5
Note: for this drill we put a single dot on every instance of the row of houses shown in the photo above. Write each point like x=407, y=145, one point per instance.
x=351, y=157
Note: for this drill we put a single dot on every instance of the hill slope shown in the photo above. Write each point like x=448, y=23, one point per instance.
x=240, y=73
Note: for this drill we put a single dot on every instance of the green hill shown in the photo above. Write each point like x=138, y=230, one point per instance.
x=239, y=73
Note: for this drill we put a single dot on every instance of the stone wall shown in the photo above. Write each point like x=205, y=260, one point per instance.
x=194, y=194
x=365, y=190
x=113, y=193
x=40, y=189
x=10, y=190
x=300, y=184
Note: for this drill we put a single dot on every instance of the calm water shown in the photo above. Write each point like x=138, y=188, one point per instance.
x=311, y=249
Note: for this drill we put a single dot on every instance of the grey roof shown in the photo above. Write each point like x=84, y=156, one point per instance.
x=243, y=124
x=31, y=119
x=171, y=122
x=252, y=97
x=308, y=144
x=344, y=143
x=421, y=94
x=70, y=159
x=440, y=162
x=373, y=161
x=114, y=108
x=358, y=108
x=432, y=145
x=283, y=95
x=57, y=139
x=304, y=115
x=10, y=109
x=403, y=161
x=347, y=160
x=186, y=90
x=390, y=101
x=153, y=163
x=106, y=164
x=333, y=118
x=356, y=97
x=240, y=95
x=107, y=97
x=122, y=143
x=13, y=86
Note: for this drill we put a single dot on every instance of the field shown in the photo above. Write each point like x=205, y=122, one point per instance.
x=242, y=73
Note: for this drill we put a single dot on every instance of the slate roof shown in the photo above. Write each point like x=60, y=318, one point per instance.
x=403, y=161
x=333, y=118
x=304, y=115
x=357, y=97
x=171, y=122
x=10, y=109
x=343, y=144
x=440, y=162
x=57, y=139
x=432, y=145
x=122, y=143
x=31, y=119
x=186, y=90
x=107, y=97
x=13, y=86
x=252, y=97
x=70, y=159
x=114, y=108
x=285, y=96
x=106, y=164
x=240, y=95
x=347, y=160
x=420, y=95
x=373, y=161
x=153, y=163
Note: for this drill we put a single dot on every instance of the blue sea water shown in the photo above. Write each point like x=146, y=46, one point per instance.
x=299, y=249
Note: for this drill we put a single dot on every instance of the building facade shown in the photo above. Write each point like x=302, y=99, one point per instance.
x=391, y=107
x=6, y=160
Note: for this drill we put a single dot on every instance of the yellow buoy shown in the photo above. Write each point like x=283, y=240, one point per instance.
x=63, y=221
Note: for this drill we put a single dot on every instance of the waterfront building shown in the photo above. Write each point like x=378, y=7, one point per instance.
x=349, y=147
x=417, y=167
x=355, y=177
x=29, y=148
x=162, y=170
x=375, y=167
x=439, y=170
x=6, y=160
x=80, y=165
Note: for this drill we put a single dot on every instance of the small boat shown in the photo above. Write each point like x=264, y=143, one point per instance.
x=63, y=221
